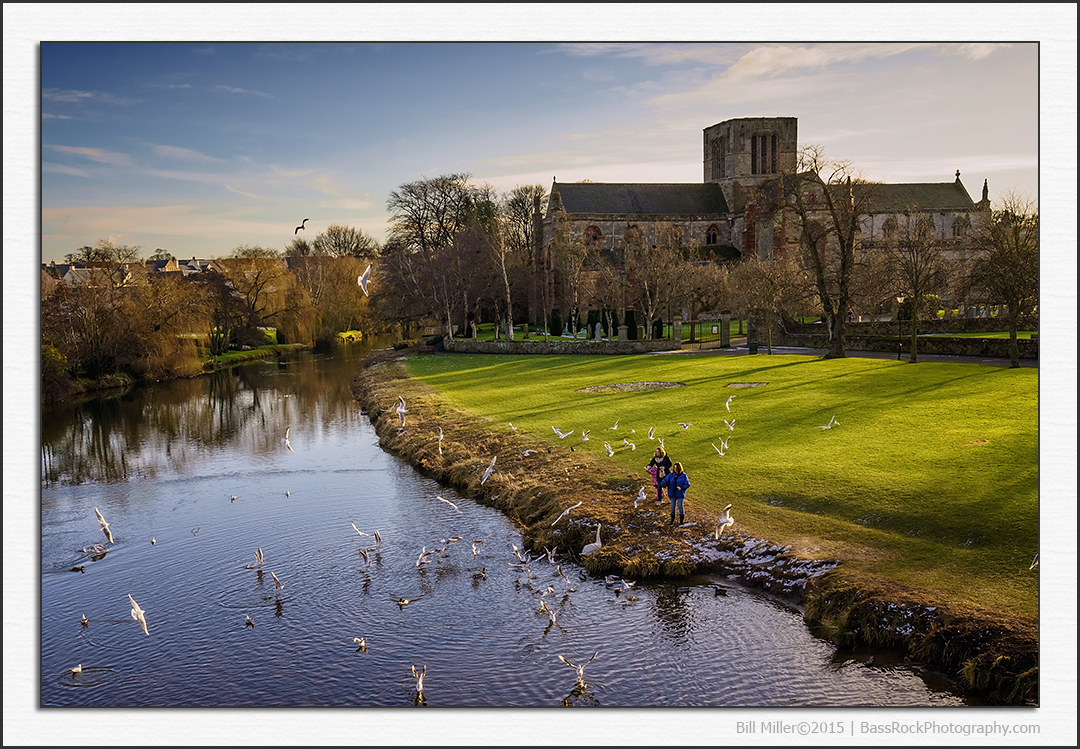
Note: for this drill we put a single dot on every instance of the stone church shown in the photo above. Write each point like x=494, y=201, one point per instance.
x=719, y=216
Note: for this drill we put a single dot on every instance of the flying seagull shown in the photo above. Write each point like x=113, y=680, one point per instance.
x=1034, y=562
x=487, y=473
x=685, y=425
x=832, y=423
x=616, y=427
x=581, y=668
x=724, y=522
x=84, y=621
x=285, y=441
x=400, y=410
x=259, y=557
x=650, y=432
x=512, y=427
x=610, y=452
x=562, y=435
x=358, y=531
x=297, y=230
x=361, y=643
x=730, y=425
x=448, y=501
x=138, y=614
x=419, y=678
x=248, y=621
x=364, y=279
x=440, y=440
x=566, y=512
x=585, y=435
x=640, y=496
x=728, y=404
x=278, y=585
x=104, y=526
x=718, y=450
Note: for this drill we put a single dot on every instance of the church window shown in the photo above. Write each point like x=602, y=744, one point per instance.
x=763, y=154
x=960, y=226
x=772, y=169
x=712, y=235
x=888, y=228
x=593, y=236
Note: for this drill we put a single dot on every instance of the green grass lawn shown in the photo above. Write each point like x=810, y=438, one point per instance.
x=930, y=479
x=995, y=334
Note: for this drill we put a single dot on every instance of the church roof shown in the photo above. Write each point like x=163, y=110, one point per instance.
x=641, y=199
x=947, y=196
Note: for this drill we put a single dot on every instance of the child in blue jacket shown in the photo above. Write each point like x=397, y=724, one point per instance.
x=676, y=484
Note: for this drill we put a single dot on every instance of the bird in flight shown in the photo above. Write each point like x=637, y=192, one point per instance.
x=278, y=585
x=1034, y=562
x=487, y=473
x=364, y=279
x=566, y=512
x=440, y=440
x=640, y=496
x=607, y=448
x=581, y=668
x=724, y=522
x=730, y=425
x=685, y=425
x=297, y=230
x=400, y=410
x=285, y=441
x=419, y=678
x=104, y=526
x=650, y=432
x=616, y=427
x=138, y=614
x=361, y=643
x=585, y=435
x=628, y=443
x=562, y=435
x=248, y=621
x=718, y=450
x=832, y=423
x=84, y=621
x=358, y=531
x=259, y=557
x=448, y=501
x=728, y=404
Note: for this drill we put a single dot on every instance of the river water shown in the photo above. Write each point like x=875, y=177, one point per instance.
x=193, y=479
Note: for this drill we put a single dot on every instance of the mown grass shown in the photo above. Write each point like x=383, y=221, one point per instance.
x=930, y=480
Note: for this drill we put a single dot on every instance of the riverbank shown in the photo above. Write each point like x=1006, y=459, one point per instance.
x=534, y=481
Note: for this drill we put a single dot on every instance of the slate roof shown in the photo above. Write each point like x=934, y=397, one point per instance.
x=949, y=196
x=641, y=199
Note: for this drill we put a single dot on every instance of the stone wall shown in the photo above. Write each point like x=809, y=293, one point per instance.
x=555, y=346
x=984, y=347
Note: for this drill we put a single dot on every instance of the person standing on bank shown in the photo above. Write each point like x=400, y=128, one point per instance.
x=676, y=483
x=659, y=467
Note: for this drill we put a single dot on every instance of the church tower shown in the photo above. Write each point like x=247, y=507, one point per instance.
x=742, y=153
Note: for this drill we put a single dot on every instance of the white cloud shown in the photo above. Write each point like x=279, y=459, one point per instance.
x=183, y=154
x=234, y=90
x=96, y=154
x=61, y=169
x=977, y=50
x=47, y=116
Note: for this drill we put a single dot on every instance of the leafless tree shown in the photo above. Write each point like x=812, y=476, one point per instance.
x=772, y=287
x=344, y=241
x=918, y=266
x=1006, y=247
x=654, y=271
x=105, y=252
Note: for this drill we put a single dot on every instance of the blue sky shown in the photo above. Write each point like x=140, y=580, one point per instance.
x=268, y=135
x=200, y=147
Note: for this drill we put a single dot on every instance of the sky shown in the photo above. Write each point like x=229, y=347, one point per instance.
x=203, y=146
x=199, y=147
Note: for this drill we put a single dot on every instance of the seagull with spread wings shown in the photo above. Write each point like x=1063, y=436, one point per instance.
x=724, y=522
x=297, y=229
x=104, y=526
x=285, y=441
x=566, y=512
x=138, y=614
x=581, y=668
x=562, y=435
x=364, y=279
x=487, y=473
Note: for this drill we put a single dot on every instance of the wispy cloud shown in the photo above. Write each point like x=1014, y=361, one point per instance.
x=183, y=154
x=235, y=90
x=96, y=154
x=658, y=53
x=246, y=194
x=76, y=96
x=977, y=50
x=47, y=116
x=47, y=166
x=772, y=60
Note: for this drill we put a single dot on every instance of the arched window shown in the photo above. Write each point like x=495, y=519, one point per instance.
x=960, y=226
x=712, y=235
x=593, y=236
x=763, y=154
x=634, y=236
x=888, y=228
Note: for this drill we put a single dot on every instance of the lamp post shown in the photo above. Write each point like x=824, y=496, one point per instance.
x=899, y=328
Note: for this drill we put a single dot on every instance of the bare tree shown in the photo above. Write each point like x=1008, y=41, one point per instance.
x=828, y=202
x=344, y=241
x=917, y=263
x=105, y=252
x=772, y=287
x=654, y=271
x=707, y=289
x=573, y=253
x=1006, y=247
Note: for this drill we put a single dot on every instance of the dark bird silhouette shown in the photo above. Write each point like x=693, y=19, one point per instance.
x=300, y=227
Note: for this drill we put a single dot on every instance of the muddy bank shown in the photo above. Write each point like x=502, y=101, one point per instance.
x=559, y=497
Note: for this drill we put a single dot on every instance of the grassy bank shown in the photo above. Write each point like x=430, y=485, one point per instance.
x=930, y=479
x=845, y=559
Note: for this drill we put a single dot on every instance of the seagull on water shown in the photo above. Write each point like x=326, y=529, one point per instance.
x=361, y=644
x=138, y=614
x=297, y=229
x=447, y=501
x=419, y=678
x=724, y=522
x=403, y=602
x=367, y=558
x=593, y=547
x=285, y=441
x=730, y=425
x=832, y=423
x=566, y=512
x=364, y=278
x=104, y=526
x=581, y=668
x=84, y=621
x=562, y=435
x=544, y=608
x=487, y=473
x=278, y=585
x=248, y=621
x=76, y=670
x=608, y=449
x=378, y=538
x=259, y=557
x=153, y=541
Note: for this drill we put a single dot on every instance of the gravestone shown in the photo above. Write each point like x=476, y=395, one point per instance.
x=751, y=335
x=599, y=332
x=725, y=331
x=676, y=332
x=622, y=333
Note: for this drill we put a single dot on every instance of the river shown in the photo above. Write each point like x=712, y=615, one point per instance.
x=193, y=478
